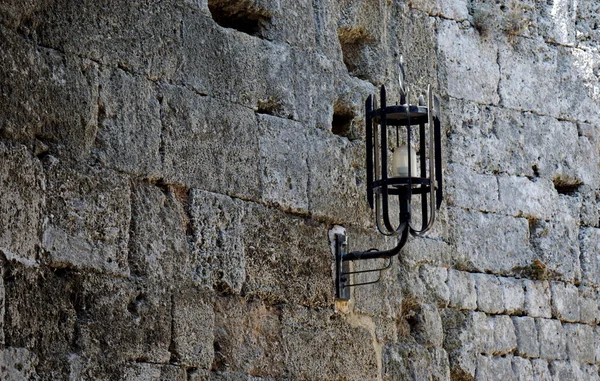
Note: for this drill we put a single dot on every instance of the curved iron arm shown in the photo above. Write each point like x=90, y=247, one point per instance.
x=370, y=254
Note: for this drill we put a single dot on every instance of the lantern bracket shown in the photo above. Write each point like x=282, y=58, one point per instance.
x=343, y=259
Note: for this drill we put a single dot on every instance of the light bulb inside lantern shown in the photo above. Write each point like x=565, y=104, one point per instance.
x=400, y=161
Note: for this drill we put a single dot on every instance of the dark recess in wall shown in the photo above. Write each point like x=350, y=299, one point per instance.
x=241, y=15
x=354, y=42
x=341, y=124
x=566, y=187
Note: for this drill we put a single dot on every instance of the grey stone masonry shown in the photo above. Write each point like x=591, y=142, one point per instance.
x=494, y=368
x=435, y=280
x=565, y=301
x=494, y=335
x=527, y=336
x=490, y=297
x=590, y=255
x=541, y=372
x=552, y=339
x=537, y=298
x=513, y=295
x=580, y=342
x=589, y=307
x=522, y=368
x=461, y=286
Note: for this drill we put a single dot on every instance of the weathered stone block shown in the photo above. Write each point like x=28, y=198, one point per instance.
x=460, y=340
x=208, y=46
x=505, y=340
x=590, y=213
x=557, y=246
x=588, y=33
x=527, y=337
x=209, y=143
x=476, y=237
x=456, y=10
x=512, y=295
x=219, y=259
x=18, y=364
x=153, y=372
x=467, y=189
x=193, y=330
x=490, y=298
x=590, y=255
x=89, y=217
x=486, y=138
x=565, y=301
x=428, y=328
x=522, y=368
x=494, y=368
x=336, y=178
x=462, y=290
x=66, y=26
x=529, y=70
x=597, y=344
x=435, y=281
x=464, y=79
x=247, y=338
x=566, y=370
x=311, y=338
x=276, y=248
x=47, y=96
x=414, y=362
x=523, y=197
x=22, y=188
x=588, y=158
x=552, y=339
x=284, y=170
x=556, y=22
x=588, y=306
x=580, y=343
x=158, y=248
x=589, y=372
x=122, y=321
x=129, y=124
x=537, y=298
x=541, y=370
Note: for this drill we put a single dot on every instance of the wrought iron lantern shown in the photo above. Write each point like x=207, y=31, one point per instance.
x=397, y=173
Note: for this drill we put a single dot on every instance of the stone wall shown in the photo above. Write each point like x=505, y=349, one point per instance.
x=170, y=171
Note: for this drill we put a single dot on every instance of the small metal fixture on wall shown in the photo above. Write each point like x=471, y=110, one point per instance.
x=391, y=184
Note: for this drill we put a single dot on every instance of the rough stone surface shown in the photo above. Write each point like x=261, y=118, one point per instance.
x=309, y=335
x=552, y=339
x=537, y=299
x=565, y=301
x=208, y=143
x=540, y=369
x=171, y=171
x=580, y=343
x=193, y=330
x=463, y=79
x=513, y=295
x=494, y=368
x=475, y=234
x=590, y=255
x=90, y=214
x=489, y=294
x=129, y=127
x=527, y=337
x=462, y=290
x=248, y=338
x=522, y=368
x=22, y=185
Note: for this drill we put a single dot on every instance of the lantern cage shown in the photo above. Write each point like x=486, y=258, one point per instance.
x=395, y=132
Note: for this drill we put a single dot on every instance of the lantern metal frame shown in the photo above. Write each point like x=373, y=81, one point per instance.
x=381, y=186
